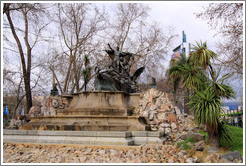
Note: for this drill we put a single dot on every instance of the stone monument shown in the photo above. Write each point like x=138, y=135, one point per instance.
x=109, y=108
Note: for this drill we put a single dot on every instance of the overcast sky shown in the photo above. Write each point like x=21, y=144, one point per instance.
x=181, y=16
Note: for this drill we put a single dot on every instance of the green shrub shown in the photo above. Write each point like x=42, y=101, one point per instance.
x=184, y=143
x=236, y=144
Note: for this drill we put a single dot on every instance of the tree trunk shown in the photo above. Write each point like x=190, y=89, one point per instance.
x=213, y=139
x=85, y=82
x=68, y=72
x=25, y=71
x=27, y=78
x=28, y=94
x=213, y=135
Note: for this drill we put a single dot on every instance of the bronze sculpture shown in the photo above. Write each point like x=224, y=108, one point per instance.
x=117, y=77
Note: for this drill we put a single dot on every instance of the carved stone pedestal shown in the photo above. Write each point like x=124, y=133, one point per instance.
x=93, y=111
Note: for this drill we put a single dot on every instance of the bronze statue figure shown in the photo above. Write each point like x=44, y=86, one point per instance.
x=117, y=77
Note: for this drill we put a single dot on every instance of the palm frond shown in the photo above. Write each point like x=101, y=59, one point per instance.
x=225, y=133
x=206, y=105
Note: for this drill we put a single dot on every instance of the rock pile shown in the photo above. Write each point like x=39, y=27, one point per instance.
x=31, y=153
x=213, y=156
x=162, y=115
x=35, y=153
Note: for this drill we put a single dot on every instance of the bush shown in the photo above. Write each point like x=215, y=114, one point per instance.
x=236, y=144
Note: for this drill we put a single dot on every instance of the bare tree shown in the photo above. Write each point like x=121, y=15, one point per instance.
x=227, y=19
x=21, y=31
x=13, y=86
x=132, y=30
x=78, y=24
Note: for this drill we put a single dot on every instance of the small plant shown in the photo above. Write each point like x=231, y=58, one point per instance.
x=184, y=144
x=205, y=134
x=5, y=123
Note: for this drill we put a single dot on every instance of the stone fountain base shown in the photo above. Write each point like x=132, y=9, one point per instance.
x=90, y=111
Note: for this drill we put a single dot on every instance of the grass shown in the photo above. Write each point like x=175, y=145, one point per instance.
x=184, y=143
x=237, y=144
x=205, y=134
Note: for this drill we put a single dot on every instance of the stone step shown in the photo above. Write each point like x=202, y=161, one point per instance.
x=66, y=137
x=87, y=123
x=119, y=138
x=94, y=111
x=117, y=134
x=62, y=127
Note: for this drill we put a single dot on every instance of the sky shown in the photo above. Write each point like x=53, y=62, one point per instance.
x=180, y=15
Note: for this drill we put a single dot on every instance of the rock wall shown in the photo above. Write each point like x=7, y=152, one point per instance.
x=162, y=115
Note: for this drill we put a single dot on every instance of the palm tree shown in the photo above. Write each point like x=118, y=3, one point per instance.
x=184, y=73
x=201, y=56
x=206, y=100
x=206, y=104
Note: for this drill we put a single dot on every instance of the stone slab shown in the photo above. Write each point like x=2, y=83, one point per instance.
x=147, y=134
x=83, y=137
x=147, y=140
x=67, y=140
x=147, y=137
x=69, y=133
